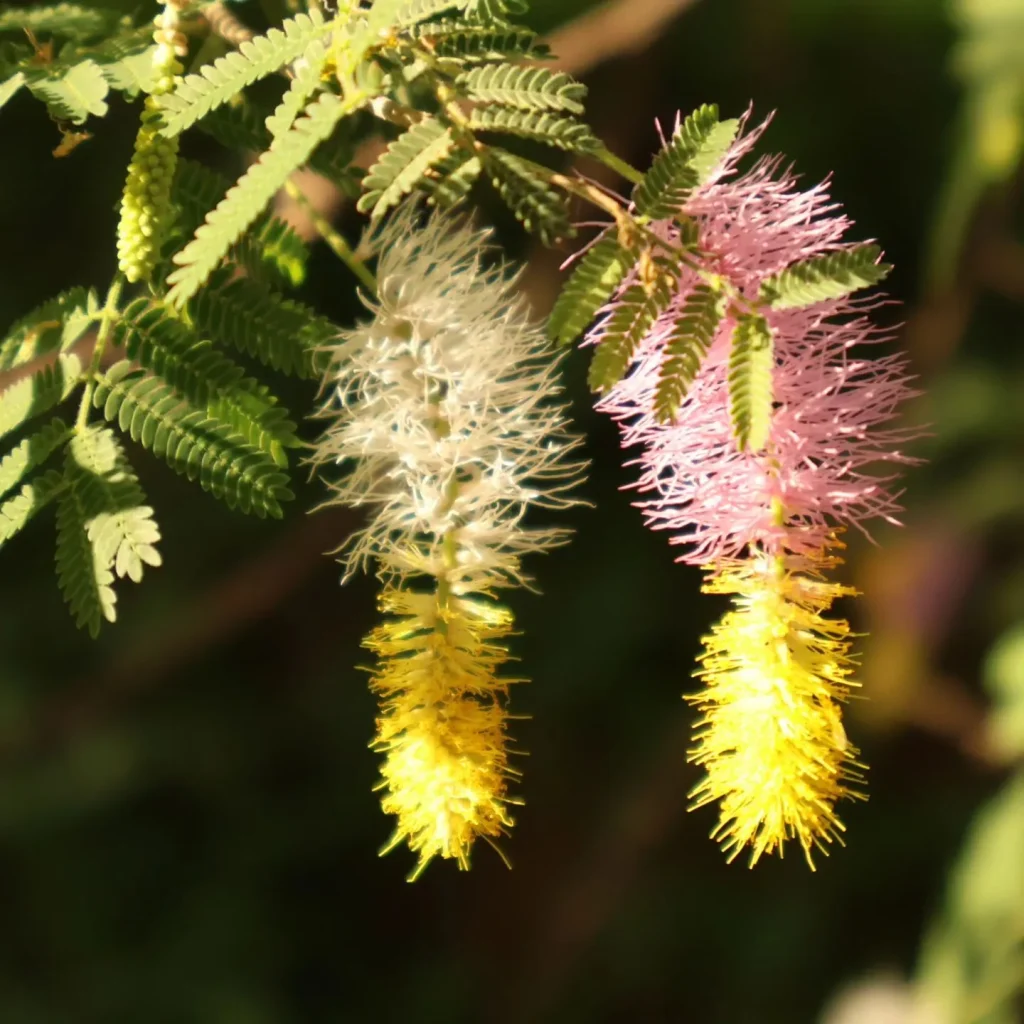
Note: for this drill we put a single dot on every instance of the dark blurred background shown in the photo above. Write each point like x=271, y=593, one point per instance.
x=188, y=831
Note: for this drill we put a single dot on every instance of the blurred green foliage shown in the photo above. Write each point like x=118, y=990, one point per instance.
x=187, y=828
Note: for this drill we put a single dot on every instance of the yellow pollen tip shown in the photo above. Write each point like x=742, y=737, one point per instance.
x=770, y=736
x=442, y=723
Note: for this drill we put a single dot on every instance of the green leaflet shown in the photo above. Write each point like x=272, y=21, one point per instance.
x=690, y=156
x=56, y=324
x=9, y=87
x=125, y=59
x=383, y=14
x=270, y=252
x=632, y=317
x=196, y=191
x=687, y=345
x=38, y=392
x=247, y=199
x=538, y=206
x=103, y=527
x=412, y=12
x=196, y=95
x=69, y=21
x=191, y=442
x=495, y=10
x=129, y=68
x=538, y=126
x=404, y=164
x=528, y=88
x=450, y=180
x=32, y=452
x=205, y=377
x=472, y=42
x=593, y=281
x=281, y=333
x=825, y=277
x=85, y=583
x=300, y=89
x=72, y=96
x=241, y=125
x=32, y=498
x=751, y=386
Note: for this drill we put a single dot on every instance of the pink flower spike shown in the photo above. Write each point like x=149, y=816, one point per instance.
x=834, y=406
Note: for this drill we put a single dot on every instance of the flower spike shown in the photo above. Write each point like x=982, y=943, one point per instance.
x=443, y=405
x=757, y=410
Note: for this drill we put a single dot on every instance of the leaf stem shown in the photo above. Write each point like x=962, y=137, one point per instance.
x=102, y=337
x=333, y=238
x=617, y=164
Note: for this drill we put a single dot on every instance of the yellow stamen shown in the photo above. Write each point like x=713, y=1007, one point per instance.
x=442, y=723
x=771, y=737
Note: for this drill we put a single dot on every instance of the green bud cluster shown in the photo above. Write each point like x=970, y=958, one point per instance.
x=146, y=201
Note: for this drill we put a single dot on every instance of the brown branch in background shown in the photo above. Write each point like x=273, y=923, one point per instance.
x=223, y=23
x=618, y=28
x=948, y=710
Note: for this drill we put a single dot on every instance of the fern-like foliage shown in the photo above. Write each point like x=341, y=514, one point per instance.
x=38, y=392
x=631, y=318
x=538, y=126
x=596, y=276
x=685, y=349
x=32, y=452
x=495, y=10
x=68, y=21
x=474, y=42
x=242, y=125
x=34, y=496
x=10, y=86
x=272, y=254
x=86, y=584
x=205, y=377
x=247, y=199
x=103, y=527
x=192, y=443
x=404, y=164
x=196, y=191
x=825, y=277
x=57, y=324
x=690, y=156
x=449, y=181
x=197, y=94
x=751, y=390
x=281, y=333
x=271, y=251
x=538, y=206
x=302, y=86
x=528, y=88
x=413, y=12
x=126, y=59
x=72, y=94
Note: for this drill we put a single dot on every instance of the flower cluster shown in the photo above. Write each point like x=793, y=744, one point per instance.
x=442, y=405
x=764, y=520
x=146, y=201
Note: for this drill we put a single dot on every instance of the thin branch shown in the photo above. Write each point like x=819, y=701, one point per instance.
x=337, y=243
x=615, y=29
x=223, y=23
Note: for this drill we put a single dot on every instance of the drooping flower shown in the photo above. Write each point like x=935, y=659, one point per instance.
x=443, y=408
x=763, y=519
x=771, y=737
